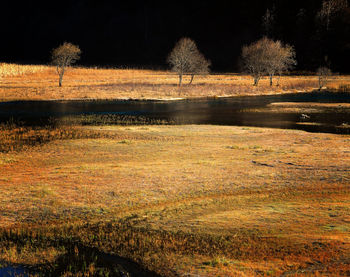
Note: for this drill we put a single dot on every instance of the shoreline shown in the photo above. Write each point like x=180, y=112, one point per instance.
x=154, y=99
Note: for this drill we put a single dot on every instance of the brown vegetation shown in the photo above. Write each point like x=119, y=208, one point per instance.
x=267, y=57
x=84, y=83
x=63, y=56
x=185, y=58
x=324, y=74
x=182, y=200
x=8, y=69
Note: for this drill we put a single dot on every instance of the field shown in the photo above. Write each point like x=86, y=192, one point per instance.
x=41, y=83
x=92, y=198
x=179, y=200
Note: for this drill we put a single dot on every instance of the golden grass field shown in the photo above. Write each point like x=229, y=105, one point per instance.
x=182, y=200
x=41, y=83
x=179, y=200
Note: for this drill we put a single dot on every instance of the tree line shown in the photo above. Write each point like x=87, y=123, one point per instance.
x=320, y=32
x=143, y=34
x=264, y=57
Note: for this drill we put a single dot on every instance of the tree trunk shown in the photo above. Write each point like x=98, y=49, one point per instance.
x=60, y=80
x=180, y=80
x=192, y=76
x=61, y=77
x=256, y=81
x=271, y=76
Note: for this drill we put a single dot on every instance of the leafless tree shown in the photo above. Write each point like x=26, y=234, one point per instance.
x=323, y=74
x=267, y=57
x=281, y=58
x=329, y=9
x=185, y=58
x=254, y=60
x=63, y=56
x=200, y=67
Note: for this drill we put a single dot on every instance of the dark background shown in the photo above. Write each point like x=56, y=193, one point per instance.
x=142, y=33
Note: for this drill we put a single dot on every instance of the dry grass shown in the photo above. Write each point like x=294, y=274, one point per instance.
x=41, y=83
x=187, y=200
x=14, y=137
x=10, y=70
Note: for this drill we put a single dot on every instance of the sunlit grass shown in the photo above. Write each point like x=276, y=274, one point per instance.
x=41, y=83
x=206, y=200
x=10, y=70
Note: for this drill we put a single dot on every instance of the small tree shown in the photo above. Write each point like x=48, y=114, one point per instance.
x=185, y=58
x=200, y=67
x=63, y=56
x=323, y=74
x=280, y=58
x=267, y=57
x=254, y=60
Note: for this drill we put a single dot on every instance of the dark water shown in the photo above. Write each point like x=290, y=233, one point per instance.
x=223, y=111
x=13, y=271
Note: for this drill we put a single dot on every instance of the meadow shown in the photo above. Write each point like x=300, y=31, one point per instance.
x=178, y=200
x=41, y=83
x=181, y=200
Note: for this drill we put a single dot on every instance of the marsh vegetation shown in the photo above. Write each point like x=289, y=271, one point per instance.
x=104, y=194
x=177, y=200
x=138, y=172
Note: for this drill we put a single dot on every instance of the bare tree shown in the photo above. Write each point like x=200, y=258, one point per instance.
x=185, y=58
x=200, y=67
x=281, y=58
x=323, y=74
x=329, y=9
x=254, y=60
x=63, y=56
x=267, y=57
x=181, y=57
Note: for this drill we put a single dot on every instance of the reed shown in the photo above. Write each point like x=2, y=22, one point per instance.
x=10, y=70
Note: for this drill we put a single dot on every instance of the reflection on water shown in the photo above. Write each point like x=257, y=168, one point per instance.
x=241, y=111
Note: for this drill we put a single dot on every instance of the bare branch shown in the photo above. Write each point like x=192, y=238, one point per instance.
x=267, y=57
x=329, y=10
x=63, y=56
x=185, y=58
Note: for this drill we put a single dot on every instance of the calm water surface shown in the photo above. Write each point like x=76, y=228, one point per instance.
x=238, y=111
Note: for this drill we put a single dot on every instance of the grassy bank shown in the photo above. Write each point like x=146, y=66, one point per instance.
x=180, y=200
x=41, y=83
